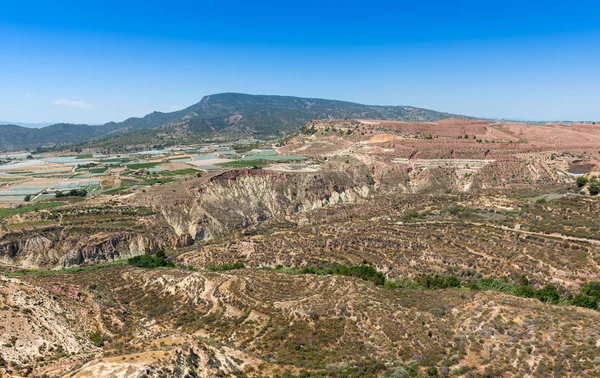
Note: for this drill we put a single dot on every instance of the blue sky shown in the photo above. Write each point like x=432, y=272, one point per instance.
x=93, y=62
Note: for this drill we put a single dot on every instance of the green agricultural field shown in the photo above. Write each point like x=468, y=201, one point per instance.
x=142, y=165
x=278, y=158
x=115, y=190
x=5, y=213
x=187, y=171
x=131, y=183
x=152, y=181
x=249, y=163
x=11, y=179
x=84, y=156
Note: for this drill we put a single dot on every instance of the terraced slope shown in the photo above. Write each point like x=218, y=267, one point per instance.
x=257, y=323
x=395, y=250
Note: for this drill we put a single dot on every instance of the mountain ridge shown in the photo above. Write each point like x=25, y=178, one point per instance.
x=217, y=113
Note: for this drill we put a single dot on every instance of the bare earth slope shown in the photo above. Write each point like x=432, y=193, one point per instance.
x=479, y=235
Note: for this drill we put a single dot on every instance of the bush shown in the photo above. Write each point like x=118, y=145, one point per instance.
x=525, y=291
x=592, y=289
x=72, y=193
x=497, y=284
x=452, y=281
x=432, y=282
x=455, y=210
x=582, y=300
x=365, y=272
x=151, y=261
x=225, y=267
x=27, y=198
x=98, y=339
x=581, y=181
x=548, y=294
x=594, y=189
x=432, y=371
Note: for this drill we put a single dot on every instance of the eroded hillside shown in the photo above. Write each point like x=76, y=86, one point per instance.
x=450, y=248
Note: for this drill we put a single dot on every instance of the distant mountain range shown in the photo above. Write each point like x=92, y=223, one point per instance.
x=27, y=124
x=220, y=113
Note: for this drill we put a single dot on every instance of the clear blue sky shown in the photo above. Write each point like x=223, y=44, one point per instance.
x=97, y=61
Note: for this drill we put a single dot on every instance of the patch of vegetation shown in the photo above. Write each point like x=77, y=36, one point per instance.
x=158, y=260
x=588, y=298
x=5, y=213
x=241, y=148
x=73, y=193
x=178, y=172
x=36, y=272
x=84, y=156
x=365, y=272
x=582, y=300
x=152, y=181
x=581, y=181
x=142, y=165
x=246, y=163
x=98, y=338
x=115, y=190
x=98, y=170
x=225, y=267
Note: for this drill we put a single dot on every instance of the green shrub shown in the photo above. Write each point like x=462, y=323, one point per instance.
x=432, y=371
x=72, y=193
x=452, y=281
x=98, y=339
x=549, y=294
x=581, y=181
x=592, y=289
x=225, y=267
x=365, y=272
x=497, y=284
x=525, y=291
x=431, y=282
x=582, y=300
x=151, y=261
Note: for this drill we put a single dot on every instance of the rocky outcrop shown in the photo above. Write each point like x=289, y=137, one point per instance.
x=238, y=199
x=36, y=324
x=56, y=249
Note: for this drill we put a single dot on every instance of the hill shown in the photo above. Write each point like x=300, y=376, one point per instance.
x=216, y=114
x=15, y=138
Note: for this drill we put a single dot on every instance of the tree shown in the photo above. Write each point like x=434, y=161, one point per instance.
x=593, y=188
x=27, y=198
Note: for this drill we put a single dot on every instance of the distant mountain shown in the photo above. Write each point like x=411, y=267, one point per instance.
x=14, y=138
x=35, y=125
x=219, y=113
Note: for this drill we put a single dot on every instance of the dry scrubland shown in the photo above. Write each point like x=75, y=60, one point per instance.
x=451, y=248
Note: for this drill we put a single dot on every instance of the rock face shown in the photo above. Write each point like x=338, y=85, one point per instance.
x=354, y=160
x=36, y=324
x=61, y=250
x=238, y=199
